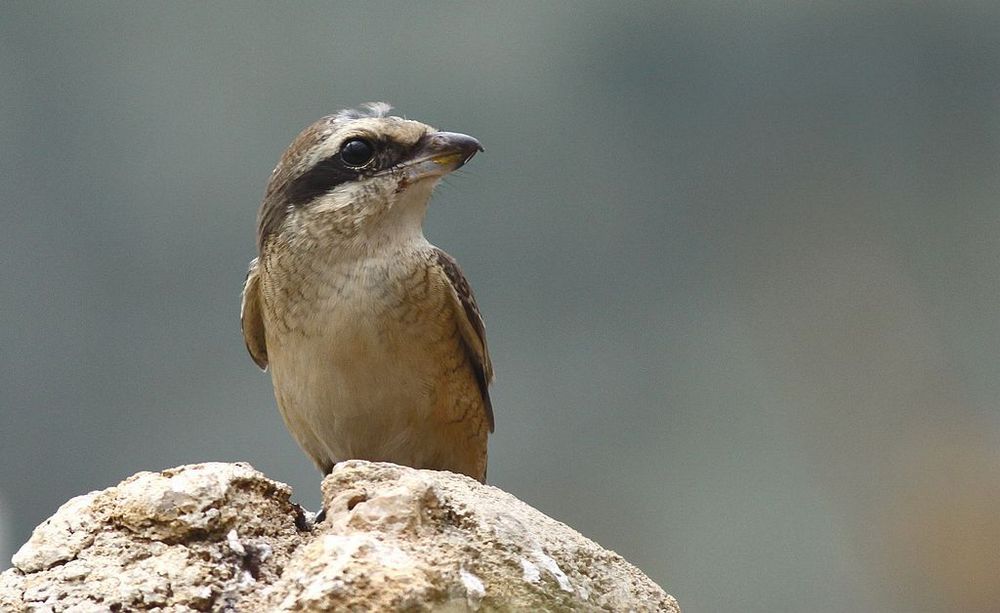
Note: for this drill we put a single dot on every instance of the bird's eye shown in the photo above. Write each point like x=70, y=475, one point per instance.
x=357, y=152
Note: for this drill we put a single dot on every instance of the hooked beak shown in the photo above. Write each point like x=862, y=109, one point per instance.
x=441, y=153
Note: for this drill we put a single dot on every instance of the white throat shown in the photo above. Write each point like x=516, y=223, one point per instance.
x=368, y=219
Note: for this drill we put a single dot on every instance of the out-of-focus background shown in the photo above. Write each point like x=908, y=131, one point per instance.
x=740, y=266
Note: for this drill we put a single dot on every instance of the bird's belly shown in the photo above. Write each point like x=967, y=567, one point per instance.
x=355, y=381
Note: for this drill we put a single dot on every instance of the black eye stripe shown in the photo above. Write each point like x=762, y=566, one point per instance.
x=333, y=171
x=320, y=179
x=390, y=153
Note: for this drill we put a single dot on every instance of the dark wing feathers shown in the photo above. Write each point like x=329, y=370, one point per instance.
x=473, y=330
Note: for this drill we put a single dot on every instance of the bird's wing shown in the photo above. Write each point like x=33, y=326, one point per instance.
x=251, y=318
x=471, y=324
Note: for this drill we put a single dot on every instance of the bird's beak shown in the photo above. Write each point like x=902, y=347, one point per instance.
x=442, y=152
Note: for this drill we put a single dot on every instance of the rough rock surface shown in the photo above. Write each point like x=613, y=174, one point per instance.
x=223, y=537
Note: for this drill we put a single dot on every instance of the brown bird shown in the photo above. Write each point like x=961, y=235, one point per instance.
x=375, y=344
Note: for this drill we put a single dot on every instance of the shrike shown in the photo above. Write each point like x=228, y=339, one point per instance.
x=374, y=341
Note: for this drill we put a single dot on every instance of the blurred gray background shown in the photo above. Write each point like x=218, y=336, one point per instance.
x=738, y=261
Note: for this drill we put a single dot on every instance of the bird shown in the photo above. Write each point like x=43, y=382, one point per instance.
x=373, y=338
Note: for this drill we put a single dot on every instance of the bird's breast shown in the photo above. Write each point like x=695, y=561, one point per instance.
x=356, y=351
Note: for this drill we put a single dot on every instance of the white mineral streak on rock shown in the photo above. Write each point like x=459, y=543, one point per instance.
x=474, y=589
x=550, y=565
x=530, y=571
x=233, y=540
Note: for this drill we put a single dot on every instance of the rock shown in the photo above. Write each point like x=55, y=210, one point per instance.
x=223, y=537
x=197, y=537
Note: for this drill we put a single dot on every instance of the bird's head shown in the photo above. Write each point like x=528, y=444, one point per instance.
x=359, y=177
